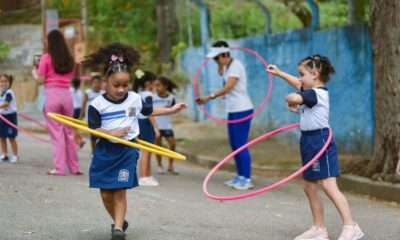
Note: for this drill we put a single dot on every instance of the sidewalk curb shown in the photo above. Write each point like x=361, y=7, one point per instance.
x=349, y=183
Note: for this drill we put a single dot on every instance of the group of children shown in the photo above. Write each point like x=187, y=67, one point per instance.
x=130, y=114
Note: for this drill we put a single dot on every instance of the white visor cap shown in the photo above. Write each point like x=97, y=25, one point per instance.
x=215, y=51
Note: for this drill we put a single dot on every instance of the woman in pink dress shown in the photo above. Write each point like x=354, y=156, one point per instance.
x=55, y=70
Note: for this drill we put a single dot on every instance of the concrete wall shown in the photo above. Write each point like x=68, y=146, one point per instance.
x=351, y=88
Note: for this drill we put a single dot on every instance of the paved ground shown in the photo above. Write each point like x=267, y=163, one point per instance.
x=36, y=206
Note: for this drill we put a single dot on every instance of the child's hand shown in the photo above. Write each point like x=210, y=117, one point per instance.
x=273, y=69
x=157, y=132
x=293, y=108
x=178, y=107
x=120, y=132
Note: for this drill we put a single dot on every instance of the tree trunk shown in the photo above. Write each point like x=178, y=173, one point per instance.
x=385, y=18
x=356, y=11
x=300, y=10
x=167, y=30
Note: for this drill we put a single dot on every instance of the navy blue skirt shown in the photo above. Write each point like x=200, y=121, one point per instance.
x=113, y=166
x=146, y=130
x=6, y=131
x=311, y=142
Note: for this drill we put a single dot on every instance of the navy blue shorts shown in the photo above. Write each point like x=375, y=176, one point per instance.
x=146, y=130
x=6, y=131
x=113, y=166
x=167, y=133
x=311, y=142
x=77, y=113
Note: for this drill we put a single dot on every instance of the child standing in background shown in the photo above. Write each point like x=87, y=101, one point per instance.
x=164, y=97
x=312, y=102
x=76, y=94
x=8, y=109
x=147, y=125
x=90, y=94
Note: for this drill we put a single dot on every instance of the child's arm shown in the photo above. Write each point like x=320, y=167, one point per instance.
x=4, y=104
x=154, y=124
x=119, y=132
x=293, y=100
x=398, y=168
x=169, y=110
x=292, y=80
x=83, y=108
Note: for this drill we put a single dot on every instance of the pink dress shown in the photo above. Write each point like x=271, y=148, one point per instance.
x=58, y=100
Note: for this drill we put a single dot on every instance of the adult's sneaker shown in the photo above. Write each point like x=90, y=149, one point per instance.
x=14, y=159
x=314, y=233
x=232, y=181
x=243, y=184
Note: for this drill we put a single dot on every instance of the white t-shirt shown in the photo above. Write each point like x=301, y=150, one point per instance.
x=109, y=114
x=9, y=96
x=76, y=97
x=147, y=97
x=163, y=122
x=237, y=100
x=314, y=113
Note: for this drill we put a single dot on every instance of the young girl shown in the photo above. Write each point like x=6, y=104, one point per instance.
x=147, y=125
x=90, y=94
x=312, y=102
x=8, y=108
x=76, y=94
x=113, y=168
x=164, y=97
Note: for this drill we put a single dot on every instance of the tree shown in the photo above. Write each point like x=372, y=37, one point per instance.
x=385, y=18
x=300, y=10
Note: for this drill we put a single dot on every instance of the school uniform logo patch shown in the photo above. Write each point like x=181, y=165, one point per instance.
x=132, y=112
x=316, y=167
x=123, y=175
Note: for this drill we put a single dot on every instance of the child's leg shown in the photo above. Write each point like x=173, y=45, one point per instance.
x=172, y=145
x=311, y=188
x=107, y=196
x=14, y=146
x=120, y=206
x=331, y=189
x=3, y=145
x=158, y=142
x=145, y=164
x=93, y=143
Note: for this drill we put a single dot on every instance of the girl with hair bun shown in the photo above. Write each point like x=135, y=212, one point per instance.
x=116, y=112
x=312, y=103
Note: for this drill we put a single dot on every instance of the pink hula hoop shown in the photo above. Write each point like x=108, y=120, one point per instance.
x=32, y=120
x=267, y=188
x=23, y=130
x=222, y=120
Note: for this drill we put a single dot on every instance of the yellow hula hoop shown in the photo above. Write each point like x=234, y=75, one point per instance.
x=146, y=146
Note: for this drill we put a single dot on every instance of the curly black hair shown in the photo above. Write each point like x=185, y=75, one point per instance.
x=322, y=63
x=102, y=57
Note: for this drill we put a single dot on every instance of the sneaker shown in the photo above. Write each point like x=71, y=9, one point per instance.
x=231, y=182
x=351, y=232
x=314, y=233
x=148, y=181
x=124, y=226
x=14, y=159
x=173, y=171
x=160, y=170
x=117, y=234
x=243, y=184
x=3, y=158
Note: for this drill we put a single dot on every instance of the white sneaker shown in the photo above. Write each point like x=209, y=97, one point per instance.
x=3, y=157
x=243, y=184
x=173, y=171
x=148, y=181
x=160, y=170
x=14, y=159
x=314, y=233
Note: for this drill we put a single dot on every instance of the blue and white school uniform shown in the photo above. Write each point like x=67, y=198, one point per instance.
x=314, y=126
x=114, y=164
x=146, y=129
x=164, y=123
x=76, y=101
x=91, y=95
x=10, y=113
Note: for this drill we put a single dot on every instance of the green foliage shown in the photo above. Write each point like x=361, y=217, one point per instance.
x=4, y=50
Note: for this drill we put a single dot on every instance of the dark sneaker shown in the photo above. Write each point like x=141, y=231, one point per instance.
x=124, y=226
x=3, y=158
x=117, y=234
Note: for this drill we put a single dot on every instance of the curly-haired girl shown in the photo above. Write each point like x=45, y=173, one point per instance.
x=113, y=168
